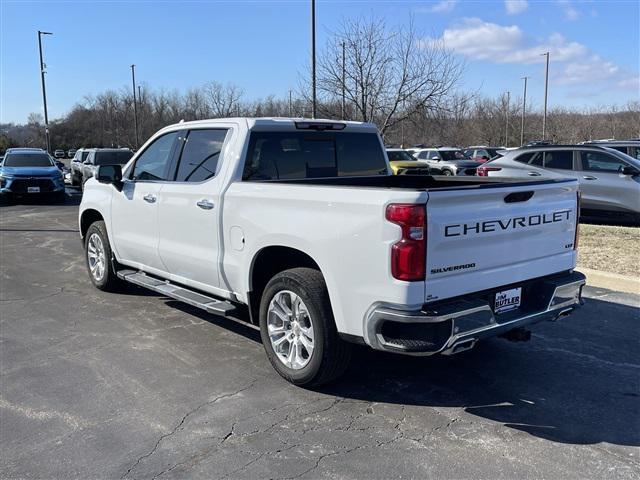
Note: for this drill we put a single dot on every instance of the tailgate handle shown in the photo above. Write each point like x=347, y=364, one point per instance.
x=518, y=197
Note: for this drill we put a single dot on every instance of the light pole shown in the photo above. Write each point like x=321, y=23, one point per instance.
x=313, y=59
x=343, y=80
x=524, y=108
x=506, y=127
x=546, y=88
x=290, y=105
x=44, y=91
x=135, y=103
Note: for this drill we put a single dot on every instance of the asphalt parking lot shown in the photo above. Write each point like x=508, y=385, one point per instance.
x=134, y=385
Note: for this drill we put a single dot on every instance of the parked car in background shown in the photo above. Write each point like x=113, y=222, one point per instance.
x=71, y=153
x=59, y=153
x=75, y=166
x=481, y=153
x=104, y=156
x=30, y=172
x=447, y=161
x=609, y=180
x=403, y=163
x=630, y=147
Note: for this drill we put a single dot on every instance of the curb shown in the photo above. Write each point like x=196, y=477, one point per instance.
x=611, y=281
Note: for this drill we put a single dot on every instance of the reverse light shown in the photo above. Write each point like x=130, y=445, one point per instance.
x=483, y=170
x=408, y=255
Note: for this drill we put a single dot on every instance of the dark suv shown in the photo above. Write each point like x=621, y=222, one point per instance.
x=29, y=172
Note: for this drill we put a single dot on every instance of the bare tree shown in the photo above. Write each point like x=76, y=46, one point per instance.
x=390, y=74
x=223, y=100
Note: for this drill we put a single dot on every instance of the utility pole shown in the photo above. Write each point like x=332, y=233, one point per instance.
x=313, y=59
x=524, y=108
x=290, y=105
x=44, y=91
x=135, y=103
x=506, y=127
x=343, y=82
x=546, y=88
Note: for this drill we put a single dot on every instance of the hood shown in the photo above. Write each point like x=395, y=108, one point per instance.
x=408, y=163
x=31, y=171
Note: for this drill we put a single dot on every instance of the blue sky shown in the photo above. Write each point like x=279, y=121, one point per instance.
x=263, y=46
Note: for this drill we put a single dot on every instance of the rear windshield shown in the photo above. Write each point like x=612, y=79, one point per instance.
x=399, y=155
x=27, y=160
x=294, y=155
x=452, y=155
x=113, y=158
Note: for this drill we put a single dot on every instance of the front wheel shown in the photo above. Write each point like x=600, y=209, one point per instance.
x=99, y=258
x=447, y=173
x=298, y=330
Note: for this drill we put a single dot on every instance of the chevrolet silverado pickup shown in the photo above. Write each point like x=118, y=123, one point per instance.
x=298, y=228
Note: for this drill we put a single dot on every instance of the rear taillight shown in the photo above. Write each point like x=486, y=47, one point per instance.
x=483, y=171
x=408, y=255
x=577, y=235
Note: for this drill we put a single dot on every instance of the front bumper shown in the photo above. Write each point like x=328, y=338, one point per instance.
x=20, y=185
x=455, y=325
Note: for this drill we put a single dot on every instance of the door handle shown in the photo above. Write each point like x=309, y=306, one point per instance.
x=205, y=204
x=589, y=177
x=533, y=174
x=150, y=198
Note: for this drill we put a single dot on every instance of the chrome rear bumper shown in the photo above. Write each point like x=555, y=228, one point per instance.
x=454, y=326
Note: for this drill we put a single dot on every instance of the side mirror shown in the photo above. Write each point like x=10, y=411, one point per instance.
x=628, y=170
x=110, y=174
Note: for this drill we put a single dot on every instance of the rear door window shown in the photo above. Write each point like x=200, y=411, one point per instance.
x=560, y=159
x=200, y=155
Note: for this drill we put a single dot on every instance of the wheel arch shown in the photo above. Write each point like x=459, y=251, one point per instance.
x=268, y=262
x=88, y=217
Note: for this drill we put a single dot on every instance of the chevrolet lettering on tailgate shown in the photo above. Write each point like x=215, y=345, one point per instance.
x=457, y=230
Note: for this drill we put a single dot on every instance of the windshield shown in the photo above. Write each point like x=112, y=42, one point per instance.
x=453, y=155
x=296, y=155
x=27, y=160
x=399, y=155
x=85, y=154
x=113, y=157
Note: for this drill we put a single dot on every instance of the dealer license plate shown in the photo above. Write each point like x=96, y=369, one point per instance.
x=33, y=189
x=508, y=300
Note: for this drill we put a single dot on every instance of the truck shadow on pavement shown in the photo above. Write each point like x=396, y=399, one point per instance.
x=576, y=382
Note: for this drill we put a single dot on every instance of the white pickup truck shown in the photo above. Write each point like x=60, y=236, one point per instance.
x=299, y=225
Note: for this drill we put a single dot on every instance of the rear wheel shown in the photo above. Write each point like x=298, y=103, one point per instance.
x=298, y=330
x=448, y=173
x=99, y=258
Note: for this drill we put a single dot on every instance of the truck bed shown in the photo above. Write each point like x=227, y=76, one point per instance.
x=415, y=182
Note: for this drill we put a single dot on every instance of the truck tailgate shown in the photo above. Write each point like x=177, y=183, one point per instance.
x=482, y=238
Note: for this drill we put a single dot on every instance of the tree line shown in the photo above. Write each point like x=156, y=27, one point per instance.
x=367, y=71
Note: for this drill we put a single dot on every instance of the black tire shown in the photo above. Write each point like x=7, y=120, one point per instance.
x=448, y=173
x=74, y=180
x=331, y=354
x=109, y=281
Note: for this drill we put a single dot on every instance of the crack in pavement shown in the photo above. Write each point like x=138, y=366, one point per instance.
x=183, y=420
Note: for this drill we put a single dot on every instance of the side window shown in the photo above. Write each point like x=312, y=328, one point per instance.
x=482, y=153
x=562, y=160
x=153, y=162
x=524, y=158
x=200, y=154
x=600, y=162
x=434, y=156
